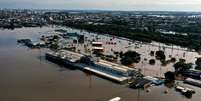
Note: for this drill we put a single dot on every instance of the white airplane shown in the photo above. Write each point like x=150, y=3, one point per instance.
x=115, y=99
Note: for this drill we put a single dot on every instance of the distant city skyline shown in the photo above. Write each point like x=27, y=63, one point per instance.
x=128, y=5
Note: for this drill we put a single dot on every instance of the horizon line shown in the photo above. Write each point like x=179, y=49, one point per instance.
x=100, y=10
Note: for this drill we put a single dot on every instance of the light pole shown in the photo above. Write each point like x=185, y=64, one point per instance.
x=138, y=95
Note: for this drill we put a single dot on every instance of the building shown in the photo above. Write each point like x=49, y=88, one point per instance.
x=97, y=47
x=193, y=82
x=109, y=70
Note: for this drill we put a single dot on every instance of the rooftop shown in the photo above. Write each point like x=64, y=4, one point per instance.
x=97, y=42
x=114, y=65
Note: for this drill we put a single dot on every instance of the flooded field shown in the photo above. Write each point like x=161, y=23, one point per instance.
x=26, y=76
x=113, y=44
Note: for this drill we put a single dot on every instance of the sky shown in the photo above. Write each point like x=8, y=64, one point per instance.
x=128, y=5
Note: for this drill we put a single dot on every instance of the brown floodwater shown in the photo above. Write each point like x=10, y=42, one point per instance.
x=26, y=76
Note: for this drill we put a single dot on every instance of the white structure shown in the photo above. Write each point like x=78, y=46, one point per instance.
x=115, y=99
x=97, y=46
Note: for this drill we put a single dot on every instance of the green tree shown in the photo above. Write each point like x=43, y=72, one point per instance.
x=169, y=76
x=182, y=66
x=198, y=62
x=130, y=57
x=152, y=62
x=160, y=55
x=54, y=46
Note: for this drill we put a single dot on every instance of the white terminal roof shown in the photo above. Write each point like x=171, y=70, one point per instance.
x=97, y=42
x=71, y=56
x=114, y=66
x=119, y=79
x=98, y=48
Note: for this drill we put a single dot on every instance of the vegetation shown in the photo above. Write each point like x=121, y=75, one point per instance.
x=181, y=67
x=86, y=60
x=152, y=53
x=160, y=55
x=198, y=67
x=165, y=62
x=152, y=61
x=61, y=30
x=121, y=54
x=115, y=29
x=169, y=79
x=173, y=59
x=169, y=76
x=198, y=64
x=54, y=46
x=192, y=41
x=188, y=94
x=182, y=60
x=130, y=57
x=54, y=42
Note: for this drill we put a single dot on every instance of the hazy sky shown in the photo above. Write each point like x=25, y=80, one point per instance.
x=159, y=5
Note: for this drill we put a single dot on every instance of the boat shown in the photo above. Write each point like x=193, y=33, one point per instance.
x=115, y=99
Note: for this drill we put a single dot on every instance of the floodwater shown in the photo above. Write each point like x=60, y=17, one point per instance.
x=113, y=44
x=26, y=76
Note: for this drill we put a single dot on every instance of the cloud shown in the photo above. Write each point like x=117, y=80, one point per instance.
x=105, y=4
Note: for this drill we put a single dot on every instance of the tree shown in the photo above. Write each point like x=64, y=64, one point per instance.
x=152, y=53
x=152, y=62
x=198, y=62
x=173, y=59
x=169, y=76
x=160, y=55
x=121, y=54
x=54, y=46
x=169, y=79
x=182, y=60
x=86, y=60
x=188, y=94
x=182, y=66
x=164, y=63
x=55, y=37
x=130, y=57
x=198, y=67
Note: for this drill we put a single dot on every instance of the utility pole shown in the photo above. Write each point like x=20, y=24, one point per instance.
x=138, y=95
